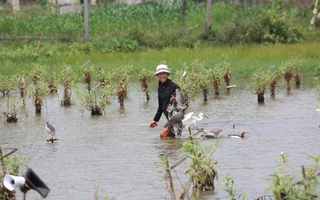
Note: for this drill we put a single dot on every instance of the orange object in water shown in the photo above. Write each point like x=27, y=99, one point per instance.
x=154, y=124
x=164, y=133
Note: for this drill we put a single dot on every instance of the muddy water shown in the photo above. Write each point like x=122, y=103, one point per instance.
x=124, y=154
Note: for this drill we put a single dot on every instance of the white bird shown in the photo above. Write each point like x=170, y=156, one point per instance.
x=189, y=119
x=184, y=73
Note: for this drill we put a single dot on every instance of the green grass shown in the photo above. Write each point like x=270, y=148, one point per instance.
x=244, y=60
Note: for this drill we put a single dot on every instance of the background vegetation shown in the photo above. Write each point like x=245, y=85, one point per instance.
x=246, y=36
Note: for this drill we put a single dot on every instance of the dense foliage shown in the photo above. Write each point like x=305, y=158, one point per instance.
x=122, y=35
x=125, y=27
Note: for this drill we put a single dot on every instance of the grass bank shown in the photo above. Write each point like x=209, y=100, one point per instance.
x=244, y=60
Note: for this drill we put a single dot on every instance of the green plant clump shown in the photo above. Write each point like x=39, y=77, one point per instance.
x=202, y=170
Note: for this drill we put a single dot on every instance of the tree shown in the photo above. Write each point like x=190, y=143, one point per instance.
x=316, y=13
x=184, y=3
x=15, y=6
x=208, y=24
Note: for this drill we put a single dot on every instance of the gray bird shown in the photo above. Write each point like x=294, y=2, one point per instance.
x=181, y=100
x=50, y=130
x=170, y=109
x=214, y=132
x=175, y=122
x=180, y=105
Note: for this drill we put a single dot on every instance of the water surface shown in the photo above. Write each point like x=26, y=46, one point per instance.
x=125, y=154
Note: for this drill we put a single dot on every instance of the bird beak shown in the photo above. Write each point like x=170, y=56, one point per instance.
x=231, y=86
x=206, y=116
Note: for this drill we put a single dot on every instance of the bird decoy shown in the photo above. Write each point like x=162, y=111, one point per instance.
x=189, y=119
x=170, y=110
x=173, y=125
x=175, y=119
x=213, y=133
x=178, y=103
x=181, y=100
x=184, y=73
x=237, y=136
x=50, y=130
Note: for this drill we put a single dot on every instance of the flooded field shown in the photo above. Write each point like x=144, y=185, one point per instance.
x=121, y=150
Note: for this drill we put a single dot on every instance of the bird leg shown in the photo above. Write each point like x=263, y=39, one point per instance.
x=50, y=138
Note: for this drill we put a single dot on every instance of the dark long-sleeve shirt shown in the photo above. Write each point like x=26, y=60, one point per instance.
x=165, y=90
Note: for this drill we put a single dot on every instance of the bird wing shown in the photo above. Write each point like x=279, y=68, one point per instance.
x=216, y=131
x=170, y=109
x=175, y=119
x=181, y=100
x=52, y=128
x=187, y=116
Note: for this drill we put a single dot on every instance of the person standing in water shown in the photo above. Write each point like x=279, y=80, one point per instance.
x=166, y=89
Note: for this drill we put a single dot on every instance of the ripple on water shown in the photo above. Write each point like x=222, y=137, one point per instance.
x=126, y=155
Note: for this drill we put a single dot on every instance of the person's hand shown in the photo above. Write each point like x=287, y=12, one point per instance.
x=153, y=124
x=173, y=99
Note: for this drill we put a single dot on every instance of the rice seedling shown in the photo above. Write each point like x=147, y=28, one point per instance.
x=260, y=81
x=37, y=92
x=69, y=78
x=145, y=77
x=274, y=75
x=122, y=79
x=95, y=100
x=87, y=71
x=216, y=77
x=11, y=108
x=201, y=78
x=290, y=70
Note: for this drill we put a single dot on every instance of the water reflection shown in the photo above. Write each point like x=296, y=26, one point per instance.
x=126, y=154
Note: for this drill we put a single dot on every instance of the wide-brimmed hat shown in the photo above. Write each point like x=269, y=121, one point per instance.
x=162, y=68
